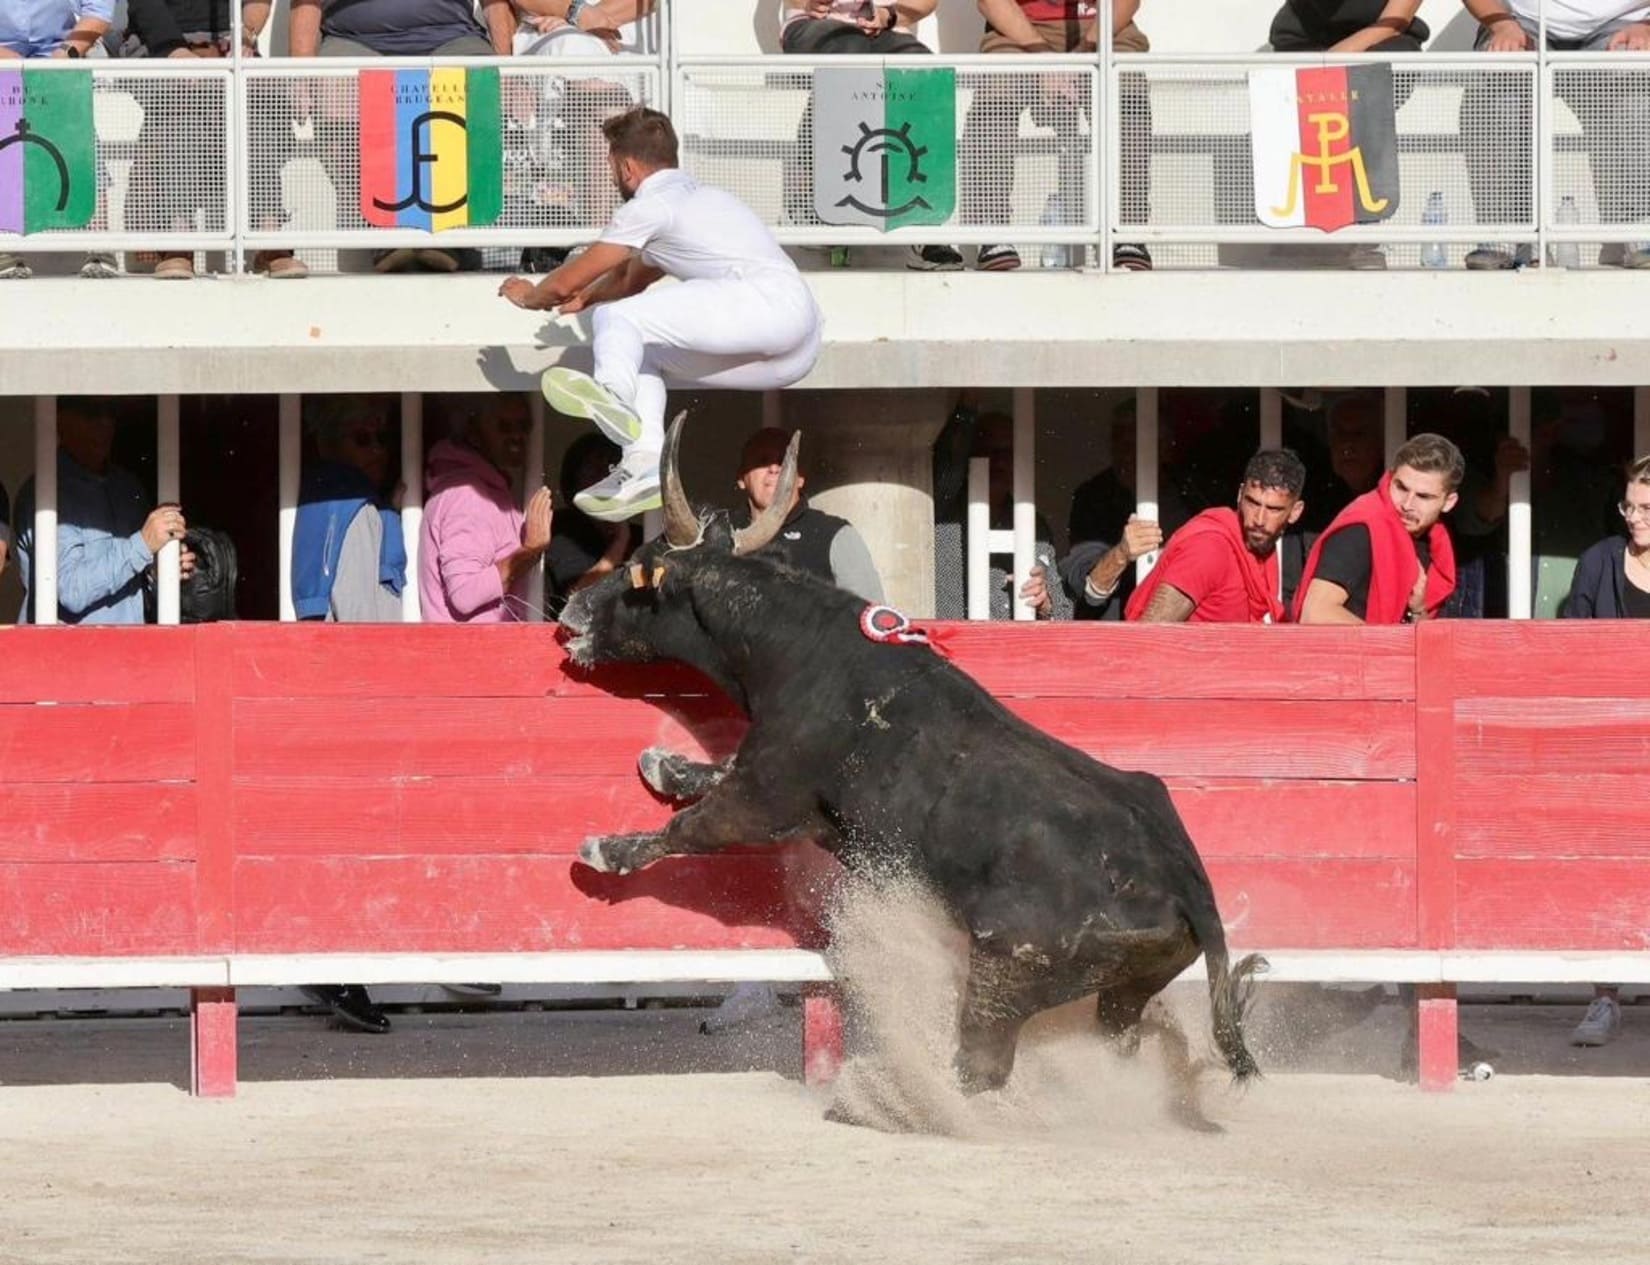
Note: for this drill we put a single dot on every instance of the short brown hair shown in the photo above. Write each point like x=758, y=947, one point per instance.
x=1433, y=454
x=643, y=134
x=1639, y=471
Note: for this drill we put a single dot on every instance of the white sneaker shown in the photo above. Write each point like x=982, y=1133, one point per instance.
x=1635, y=255
x=630, y=488
x=577, y=394
x=12, y=268
x=1601, y=1023
x=99, y=265
x=746, y=1002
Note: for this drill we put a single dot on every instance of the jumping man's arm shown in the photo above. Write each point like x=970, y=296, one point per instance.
x=1168, y=605
x=573, y=277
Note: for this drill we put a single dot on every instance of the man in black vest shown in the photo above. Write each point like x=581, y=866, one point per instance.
x=811, y=540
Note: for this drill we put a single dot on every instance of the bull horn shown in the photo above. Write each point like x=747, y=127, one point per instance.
x=681, y=523
x=765, y=526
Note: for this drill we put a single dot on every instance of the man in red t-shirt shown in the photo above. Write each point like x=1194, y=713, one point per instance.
x=1222, y=567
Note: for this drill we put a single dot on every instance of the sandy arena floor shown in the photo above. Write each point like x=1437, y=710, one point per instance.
x=553, y=1137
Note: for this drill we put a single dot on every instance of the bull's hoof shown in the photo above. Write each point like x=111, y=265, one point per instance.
x=593, y=854
x=1190, y=1116
x=652, y=765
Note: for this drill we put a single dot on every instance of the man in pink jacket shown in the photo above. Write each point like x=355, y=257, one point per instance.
x=477, y=548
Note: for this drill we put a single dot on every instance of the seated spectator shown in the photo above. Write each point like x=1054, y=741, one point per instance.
x=584, y=549
x=1059, y=102
x=1612, y=581
x=349, y=562
x=441, y=29
x=64, y=29
x=1223, y=566
x=968, y=434
x=1614, y=118
x=811, y=540
x=107, y=536
x=174, y=176
x=477, y=548
x=1357, y=440
x=816, y=28
x=1387, y=558
x=1348, y=26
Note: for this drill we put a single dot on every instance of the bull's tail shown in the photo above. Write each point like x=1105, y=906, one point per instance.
x=1231, y=990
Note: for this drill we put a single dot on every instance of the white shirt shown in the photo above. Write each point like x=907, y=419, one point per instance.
x=1578, y=19
x=693, y=231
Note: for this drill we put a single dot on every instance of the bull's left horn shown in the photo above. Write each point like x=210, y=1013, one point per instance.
x=765, y=526
x=681, y=523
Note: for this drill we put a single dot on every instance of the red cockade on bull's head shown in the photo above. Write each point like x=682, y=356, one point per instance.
x=431, y=148
x=48, y=150
x=1325, y=146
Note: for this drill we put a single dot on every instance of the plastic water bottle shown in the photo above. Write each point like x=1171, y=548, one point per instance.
x=1433, y=254
x=1567, y=254
x=1054, y=255
x=1477, y=1072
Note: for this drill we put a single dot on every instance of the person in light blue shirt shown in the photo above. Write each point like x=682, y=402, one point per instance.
x=107, y=537
x=53, y=28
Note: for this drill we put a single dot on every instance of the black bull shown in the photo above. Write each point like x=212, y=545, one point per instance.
x=1071, y=878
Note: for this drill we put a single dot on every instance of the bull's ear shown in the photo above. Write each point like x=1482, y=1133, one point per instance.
x=637, y=579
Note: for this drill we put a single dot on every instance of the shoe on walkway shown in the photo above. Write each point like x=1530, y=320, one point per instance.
x=350, y=1006
x=997, y=259
x=577, y=394
x=175, y=268
x=1131, y=257
x=1635, y=255
x=12, y=268
x=279, y=265
x=99, y=265
x=630, y=488
x=935, y=259
x=1600, y=1025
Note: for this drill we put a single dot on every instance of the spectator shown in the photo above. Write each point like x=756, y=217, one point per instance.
x=1356, y=429
x=1057, y=102
x=968, y=434
x=810, y=540
x=270, y=119
x=477, y=548
x=584, y=549
x=816, y=28
x=1387, y=559
x=441, y=29
x=742, y=318
x=107, y=538
x=1223, y=566
x=1612, y=581
x=349, y=562
x=60, y=29
x=176, y=173
x=564, y=148
x=1614, y=115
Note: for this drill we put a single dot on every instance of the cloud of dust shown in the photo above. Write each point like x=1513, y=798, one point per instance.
x=902, y=961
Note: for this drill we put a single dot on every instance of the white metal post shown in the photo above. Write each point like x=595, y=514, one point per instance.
x=412, y=500
x=1271, y=417
x=1397, y=420
x=239, y=135
x=167, y=489
x=291, y=457
x=1145, y=468
x=43, y=565
x=1106, y=133
x=1520, y=573
x=1641, y=422
x=977, y=540
x=1025, y=497
x=531, y=484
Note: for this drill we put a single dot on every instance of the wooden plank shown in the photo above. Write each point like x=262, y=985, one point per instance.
x=97, y=909
x=1220, y=738
x=1436, y=758
x=1552, y=904
x=512, y=904
x=449, y=737
x=1318, y=904
x=95, y=665
x=1553, y=815
x=215, y=803
x=117, y=742
x=1114, y=660
x=1297, y=820
x=79, y=821
x=1531, y=659
x=1553, y=735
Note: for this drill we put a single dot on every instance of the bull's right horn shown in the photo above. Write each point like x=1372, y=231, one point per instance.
x=681, y=523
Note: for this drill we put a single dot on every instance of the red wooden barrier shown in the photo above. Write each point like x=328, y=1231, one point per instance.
x=262, y=788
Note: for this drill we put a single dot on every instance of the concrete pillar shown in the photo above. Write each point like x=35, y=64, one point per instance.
x=869, y=458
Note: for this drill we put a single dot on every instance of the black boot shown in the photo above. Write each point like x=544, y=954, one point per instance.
x=350, y=1006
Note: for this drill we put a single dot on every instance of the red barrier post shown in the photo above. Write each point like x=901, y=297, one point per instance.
x=821, y=1036
x=212, y=1049
x=1435, y=879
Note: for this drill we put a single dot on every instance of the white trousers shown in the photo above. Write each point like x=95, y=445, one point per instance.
x=756, y=333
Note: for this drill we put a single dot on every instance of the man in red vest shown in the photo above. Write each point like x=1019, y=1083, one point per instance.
x=1387, y=559
x=1222, y=566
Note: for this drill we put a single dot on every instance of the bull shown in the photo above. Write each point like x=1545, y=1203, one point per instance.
x=1070, y=878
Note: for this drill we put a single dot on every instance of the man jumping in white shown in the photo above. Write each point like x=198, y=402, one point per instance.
x=741, y=319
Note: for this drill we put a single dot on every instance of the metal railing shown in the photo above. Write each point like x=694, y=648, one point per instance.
x=1547, y=149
